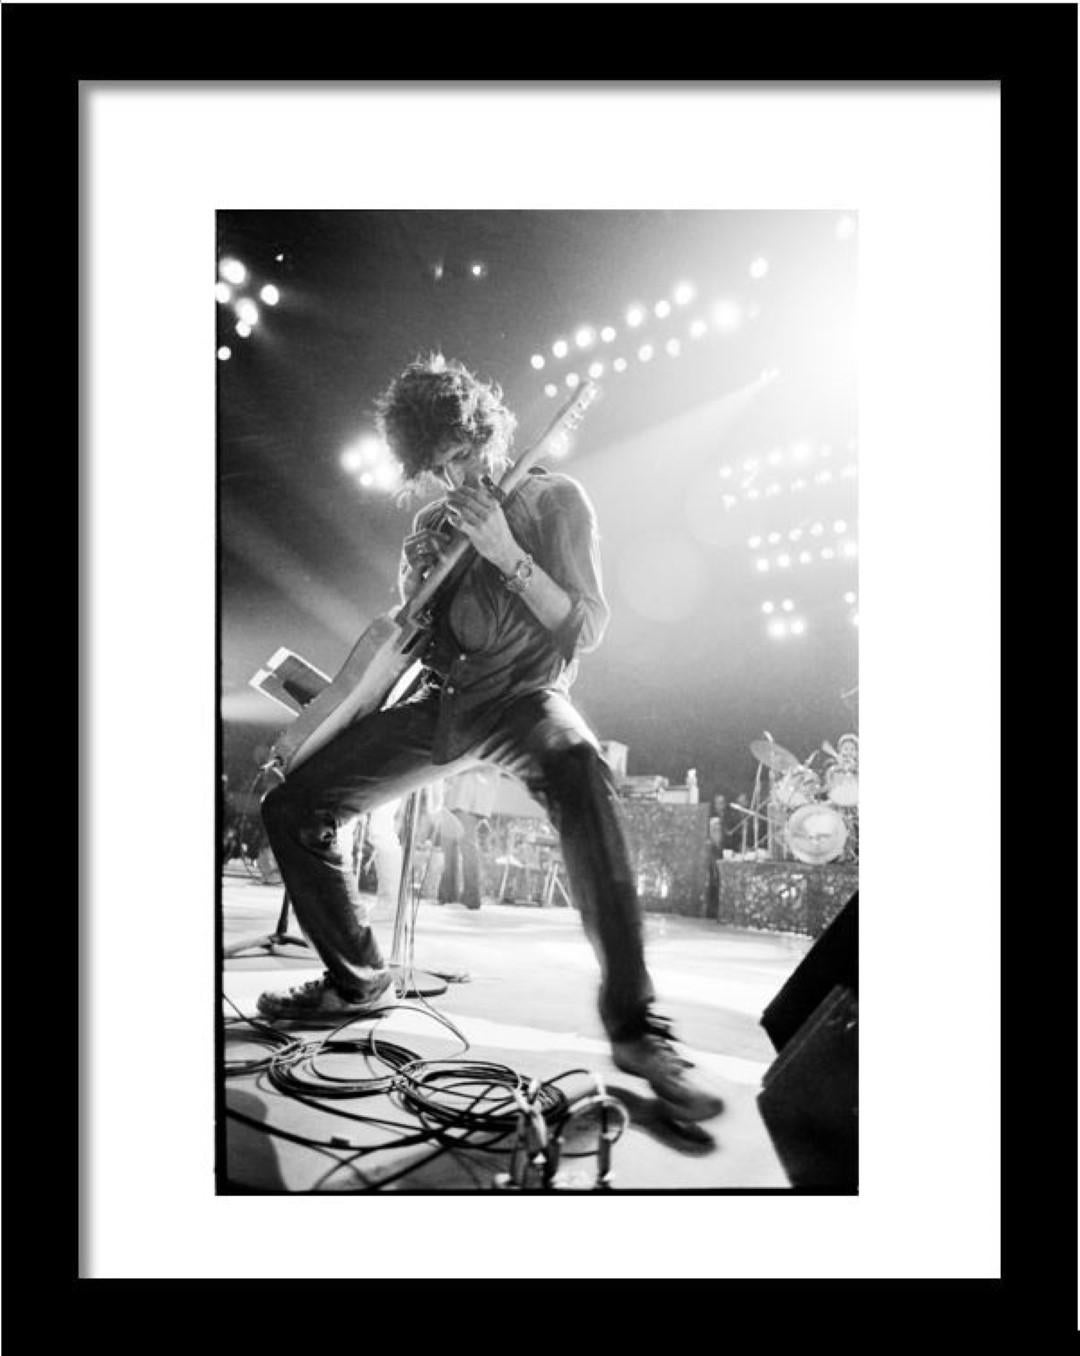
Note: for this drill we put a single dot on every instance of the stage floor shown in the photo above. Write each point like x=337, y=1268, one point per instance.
x=524, y=997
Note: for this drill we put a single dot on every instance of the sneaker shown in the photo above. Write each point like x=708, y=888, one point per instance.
x=319, y=1002
x=653, y=1056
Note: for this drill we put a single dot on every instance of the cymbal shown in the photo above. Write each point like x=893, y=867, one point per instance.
x=773, y=755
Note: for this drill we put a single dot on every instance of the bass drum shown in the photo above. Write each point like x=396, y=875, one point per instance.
x=842, y=787
x=816, y=834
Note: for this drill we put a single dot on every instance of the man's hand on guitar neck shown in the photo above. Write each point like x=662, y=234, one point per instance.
x=420, y=553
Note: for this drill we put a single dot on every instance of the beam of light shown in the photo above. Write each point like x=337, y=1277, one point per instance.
x=232, y=270
x=727, y=316
x=560, y=348
x=585, y=337
x=223, y=292
x=759, y=267
x=537, y=361
x=247, y=311
x=270, y=294
x=684, y=294
x=635, y=316
x=224, y=353
x=662, y=310
x=607, y=334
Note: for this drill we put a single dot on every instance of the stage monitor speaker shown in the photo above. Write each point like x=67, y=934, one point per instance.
x=832, y=960
x=809, y=1097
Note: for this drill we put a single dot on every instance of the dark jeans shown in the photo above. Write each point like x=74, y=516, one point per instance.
x=542, y=740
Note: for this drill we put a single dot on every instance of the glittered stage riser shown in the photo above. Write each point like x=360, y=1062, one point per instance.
x=783, y=896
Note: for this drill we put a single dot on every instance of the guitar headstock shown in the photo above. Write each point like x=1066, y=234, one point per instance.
x=569, y=418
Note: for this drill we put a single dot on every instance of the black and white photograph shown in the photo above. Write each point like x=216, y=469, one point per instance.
x=539, y=697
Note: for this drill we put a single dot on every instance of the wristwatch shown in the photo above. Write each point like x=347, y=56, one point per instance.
x=518, y=580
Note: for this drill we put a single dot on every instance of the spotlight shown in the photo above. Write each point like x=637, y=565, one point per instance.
x=854, y=619
x=849, y=597
x=232, y=270
x=798, y=484
x=478, y=270
x=224, y=353
x=584, y=337
x=537, y=361
x=725, y=471
x=788, y=605
x=573, y=380
x=778, y=628
x=684, y=293
x=817, y=530
x=762, y=564
x=805, y=557
x=386, y=475
x=247, y=311
x=560, y=348
x=798, y=626
x=845, y=227
x=697, y=329
x=354, y=458
x=772, y=488
x=823, y=477
x=270, y=294
x=767, y=608
x=607, y=334
x=827, y=553
x=775, y=457
x=673, y=347
x=619, y=364
x=801, y=450
x=759, y=267
x=850, y=549
x=437, y=271
x=243, y=330
x=223, y=292
x=726, y=316
x=753, y=494
x=662, y=310
x=367, y=479
x=635, y=316
x=825, y=450
x=645, y=352
x=730, y=501
x=850, y=470
x=774, y=537
x=839, y=526
x=279, y=258
x=750, y=464
x=551, y=389
x=795, y=534
x=754, y=543
x=596, y=370
x=783, y=560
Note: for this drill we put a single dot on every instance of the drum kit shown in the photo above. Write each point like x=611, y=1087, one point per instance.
x=809, y=815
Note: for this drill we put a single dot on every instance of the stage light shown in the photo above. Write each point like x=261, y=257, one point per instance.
x=825, y=450
x=726, y=316
x=353, y=459
x=773, y=538
x=753, y=494
x=560, y=348
x=367, y=479
x=270, y=294
x=537, y=361
x=839, y=526
x=635, y=316
x=573, y=380
x=850, y=470
x=662, y=310
x=827, y=553
x=788, y=605
x=772, y=488
x=551, y=389
x=684, y=293
x=697, y=329
x=279, y=258
x=778, y=628
x=850, y=549
x=759, y=267
x=845, y=227
x=762, y=564
x=224, y=353
x=247, y=311
x=607, y=334
x=673, y=347
x=849, y=597
x=386, y=475
x=854, y=619
x=730, y=501
x=817, y=530
x=798, y=484
x=437, y=270
x=645, y=352
x=805, y=557
x=596, y=370
x=775, y=457
x=725, y=472
x=478, y=270
x=795, y=534
x=232, y=270
x=801, y=450
x=823, y=477
x=223, y=292
x=754, y=543
x=619, y=364
x=767, y=608
x=243, y=330
x=798, y=626
x=783, y=560
x=585, y=336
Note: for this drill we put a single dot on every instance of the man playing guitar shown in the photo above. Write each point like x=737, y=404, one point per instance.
x=498, y=660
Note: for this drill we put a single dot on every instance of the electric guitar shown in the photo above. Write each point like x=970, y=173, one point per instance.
x=386, y=655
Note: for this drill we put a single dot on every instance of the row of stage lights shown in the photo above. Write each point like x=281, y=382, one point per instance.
x=784, y=560
x=782, y=623
x=233, y=276
x=724, y=317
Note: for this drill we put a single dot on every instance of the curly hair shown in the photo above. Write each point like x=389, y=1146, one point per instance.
x=435, y=403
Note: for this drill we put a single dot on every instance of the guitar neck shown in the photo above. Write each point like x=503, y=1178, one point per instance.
x=560, y=427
